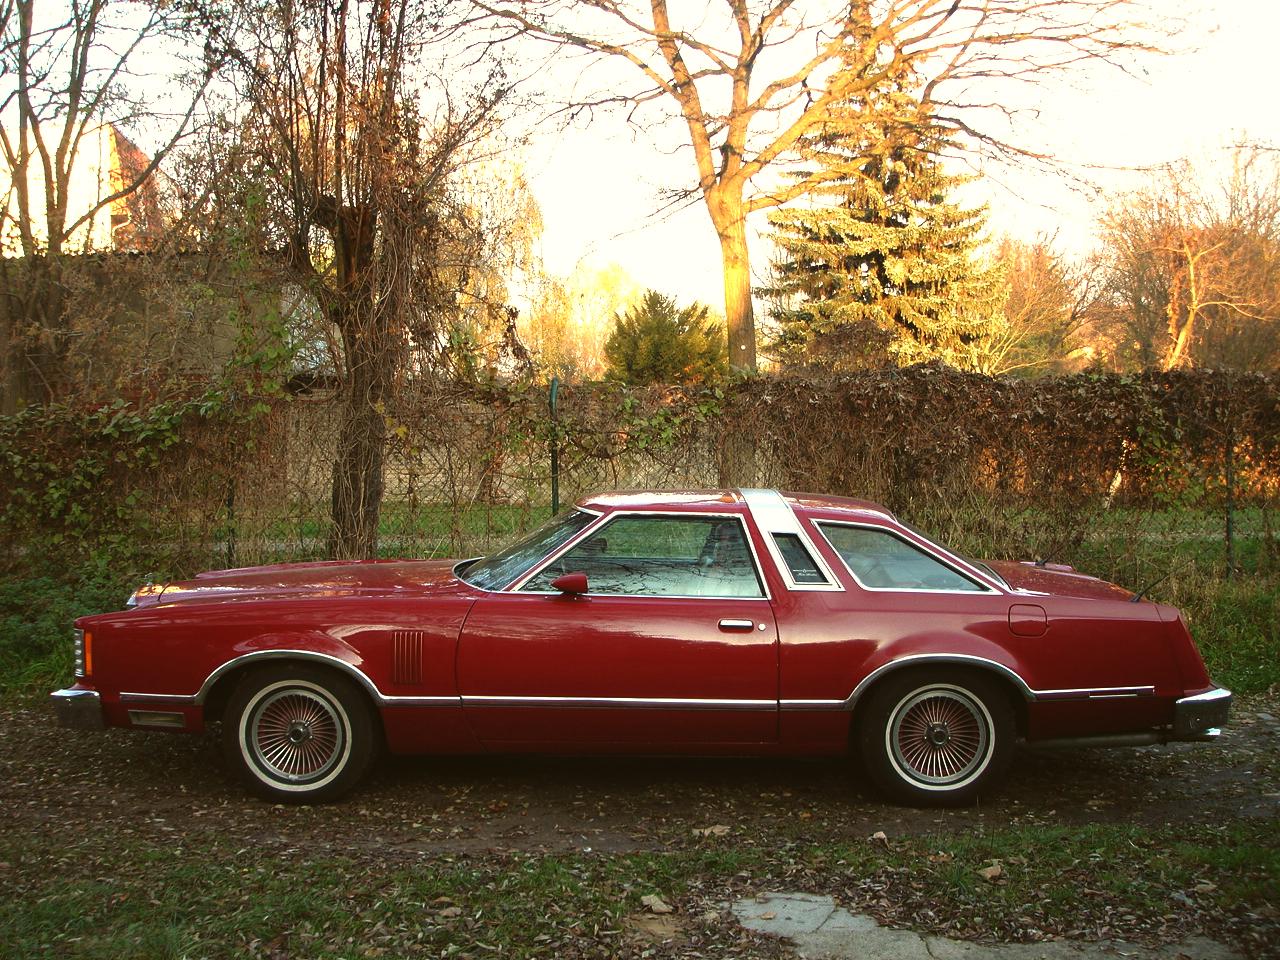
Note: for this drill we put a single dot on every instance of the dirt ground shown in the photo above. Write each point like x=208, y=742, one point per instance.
x=149, y=783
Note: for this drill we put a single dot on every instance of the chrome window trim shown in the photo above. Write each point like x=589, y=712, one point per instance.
x=772, y=514
x=955, y=564
x=606, y=519
x=594, y=523
x=564, y=548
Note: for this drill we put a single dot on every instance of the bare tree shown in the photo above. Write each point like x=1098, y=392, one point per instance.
x=72, y=84
x=1193, y=267
x=1047, y=302
x=749, y=79
x=355, y=181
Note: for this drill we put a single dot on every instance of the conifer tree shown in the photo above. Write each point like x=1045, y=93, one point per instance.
x=882, y=265
x=657, y=342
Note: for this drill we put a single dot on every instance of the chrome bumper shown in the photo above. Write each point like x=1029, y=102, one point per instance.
x=1201, y=717
x=78, y=709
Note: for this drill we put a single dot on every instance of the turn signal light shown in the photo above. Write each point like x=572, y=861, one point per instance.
x=83, y=653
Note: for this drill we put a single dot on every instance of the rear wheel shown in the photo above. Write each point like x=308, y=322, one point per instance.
x=298, y=734
x=936, y=737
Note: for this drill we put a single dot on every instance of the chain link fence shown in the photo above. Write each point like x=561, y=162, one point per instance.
x=1131, y=479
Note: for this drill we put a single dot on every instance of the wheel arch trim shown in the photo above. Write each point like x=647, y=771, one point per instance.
x=913, y=660
x=236, y=663
x=345, y=667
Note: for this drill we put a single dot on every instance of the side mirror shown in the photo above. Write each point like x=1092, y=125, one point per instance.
x=571, y=584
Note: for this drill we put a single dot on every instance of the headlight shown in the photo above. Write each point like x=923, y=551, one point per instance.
x=83, y=648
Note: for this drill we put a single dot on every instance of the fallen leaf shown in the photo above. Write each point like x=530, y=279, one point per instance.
x=719, y=830
x=991, y=873
x=655, y=903
x=1206, y=887
x=654, y=928
x=451, y=912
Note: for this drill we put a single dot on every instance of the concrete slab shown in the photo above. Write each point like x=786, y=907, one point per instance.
x=822, y=931
x=785, y=914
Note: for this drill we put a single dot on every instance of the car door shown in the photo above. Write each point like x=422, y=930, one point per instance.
x=674, y=643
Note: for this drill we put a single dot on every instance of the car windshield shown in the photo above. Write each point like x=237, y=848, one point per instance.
x=978, y=564
x=495, y=572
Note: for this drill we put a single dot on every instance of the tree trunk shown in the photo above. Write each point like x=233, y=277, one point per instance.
x=728, y=214
x=357, y=483
x=357, y=463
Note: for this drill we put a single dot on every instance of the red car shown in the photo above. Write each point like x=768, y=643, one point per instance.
x=711, y=622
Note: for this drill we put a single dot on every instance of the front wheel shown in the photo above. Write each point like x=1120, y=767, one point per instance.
x=936, y=738
x=298, y=734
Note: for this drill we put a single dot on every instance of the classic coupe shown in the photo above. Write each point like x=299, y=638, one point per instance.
x=708, y=622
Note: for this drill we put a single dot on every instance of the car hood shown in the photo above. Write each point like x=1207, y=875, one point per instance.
x=1058, y=580
x=330, y=578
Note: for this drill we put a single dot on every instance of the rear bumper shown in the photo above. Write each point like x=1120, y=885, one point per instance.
x=1201, y=717
x=78, y=709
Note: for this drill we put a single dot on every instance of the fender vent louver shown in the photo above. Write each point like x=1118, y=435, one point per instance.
x=406, y=656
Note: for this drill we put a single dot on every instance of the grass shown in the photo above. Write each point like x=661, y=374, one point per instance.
x=36, y=613
x=1236, y=624
x=174, y=896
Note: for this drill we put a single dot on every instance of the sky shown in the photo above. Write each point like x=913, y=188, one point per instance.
x=599, y=184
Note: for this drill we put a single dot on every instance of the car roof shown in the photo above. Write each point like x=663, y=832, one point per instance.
x=844, y=508
x=693, y=500
x=721, y=500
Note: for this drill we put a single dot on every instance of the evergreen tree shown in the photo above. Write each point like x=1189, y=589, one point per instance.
x=656, y=342
x=883, y=265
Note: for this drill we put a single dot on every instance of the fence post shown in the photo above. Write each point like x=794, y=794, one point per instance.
x=554, y=399
x=231, y=522
x=1229, y=458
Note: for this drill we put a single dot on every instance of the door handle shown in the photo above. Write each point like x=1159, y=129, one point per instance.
x=737, y=624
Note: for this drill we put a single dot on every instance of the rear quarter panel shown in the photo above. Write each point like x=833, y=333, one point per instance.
x=830, y=642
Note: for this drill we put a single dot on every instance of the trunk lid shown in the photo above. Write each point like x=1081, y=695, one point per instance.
x=1057, y=580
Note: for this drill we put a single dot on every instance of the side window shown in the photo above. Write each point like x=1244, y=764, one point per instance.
x=637, y=555
x=804, y=569
x=880, y=559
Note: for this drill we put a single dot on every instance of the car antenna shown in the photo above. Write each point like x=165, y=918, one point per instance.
x=1154, y=583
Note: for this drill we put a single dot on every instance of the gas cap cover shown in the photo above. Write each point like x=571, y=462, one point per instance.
x=1028, y=620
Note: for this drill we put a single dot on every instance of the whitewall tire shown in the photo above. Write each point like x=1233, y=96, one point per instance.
x=936, y=737
x=298, y=733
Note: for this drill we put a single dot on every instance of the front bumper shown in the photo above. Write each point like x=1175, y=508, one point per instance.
x=1201, y=717
x=78, y=709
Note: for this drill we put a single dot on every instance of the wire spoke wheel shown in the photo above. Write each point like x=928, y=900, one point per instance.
x=295, y=734
x=939, y=737
x=299, y=733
